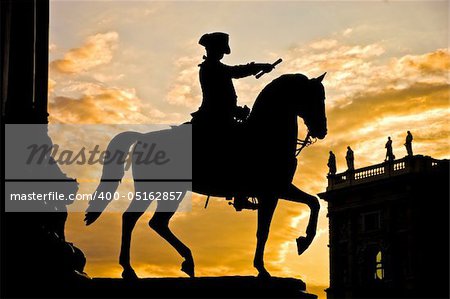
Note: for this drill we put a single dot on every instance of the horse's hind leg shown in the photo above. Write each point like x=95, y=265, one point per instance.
x=160, y=224
x=266, y=209
x=129, y=219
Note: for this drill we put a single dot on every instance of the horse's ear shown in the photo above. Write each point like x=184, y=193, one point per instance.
x=320, y=78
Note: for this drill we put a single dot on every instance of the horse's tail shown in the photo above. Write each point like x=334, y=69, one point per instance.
x=113, y=172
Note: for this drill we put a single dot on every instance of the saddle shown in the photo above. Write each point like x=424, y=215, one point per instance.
x=220, y=155
x=232, y=161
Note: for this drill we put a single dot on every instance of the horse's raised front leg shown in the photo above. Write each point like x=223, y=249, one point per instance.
x=160, y=224
x=296, y=195
x=266, y=209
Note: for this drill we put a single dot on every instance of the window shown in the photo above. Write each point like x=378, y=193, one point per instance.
x=379, y=266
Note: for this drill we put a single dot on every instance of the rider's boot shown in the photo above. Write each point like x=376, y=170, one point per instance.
x=242, y=202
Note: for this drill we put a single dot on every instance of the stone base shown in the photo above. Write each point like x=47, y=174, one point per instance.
x=203, y=287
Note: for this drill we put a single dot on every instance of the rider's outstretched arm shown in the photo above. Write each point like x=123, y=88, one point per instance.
x=250, y=69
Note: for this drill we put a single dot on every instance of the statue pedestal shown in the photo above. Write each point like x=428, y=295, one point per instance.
x=206, y=287
x=202, y=287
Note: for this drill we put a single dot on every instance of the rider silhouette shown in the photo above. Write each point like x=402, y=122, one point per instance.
x=219, y=111
x=219, y=105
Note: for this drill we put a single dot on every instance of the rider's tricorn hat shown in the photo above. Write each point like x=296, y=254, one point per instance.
x=217, y=40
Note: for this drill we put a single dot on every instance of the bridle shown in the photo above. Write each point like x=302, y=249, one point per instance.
x=304, y=143
x=307, y=141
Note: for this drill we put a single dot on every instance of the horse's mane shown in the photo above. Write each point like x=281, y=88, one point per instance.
x=278, y=94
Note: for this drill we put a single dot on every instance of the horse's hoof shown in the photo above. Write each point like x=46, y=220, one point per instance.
x=264, y=274
x=302, y=244
x=188, y=268
x=129, y=274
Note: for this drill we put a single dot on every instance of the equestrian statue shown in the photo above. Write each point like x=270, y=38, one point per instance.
x=236, y=154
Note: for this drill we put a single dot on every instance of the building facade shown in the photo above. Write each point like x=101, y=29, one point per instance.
x=389, y=230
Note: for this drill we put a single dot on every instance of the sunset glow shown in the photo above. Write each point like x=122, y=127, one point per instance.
x=125, y=62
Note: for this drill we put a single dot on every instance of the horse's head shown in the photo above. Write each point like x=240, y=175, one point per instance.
x=293, y=95
x=312, y=108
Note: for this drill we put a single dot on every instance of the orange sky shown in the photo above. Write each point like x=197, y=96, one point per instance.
x=119, y=63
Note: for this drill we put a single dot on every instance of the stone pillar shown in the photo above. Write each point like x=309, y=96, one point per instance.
x=24, y=35
x=41, y=61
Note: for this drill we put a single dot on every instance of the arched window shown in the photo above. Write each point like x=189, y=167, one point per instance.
x=379, y=266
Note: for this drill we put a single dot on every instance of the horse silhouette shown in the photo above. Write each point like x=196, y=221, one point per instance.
x=263, y=166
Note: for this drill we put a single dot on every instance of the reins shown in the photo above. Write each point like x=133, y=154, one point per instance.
x=304, y=143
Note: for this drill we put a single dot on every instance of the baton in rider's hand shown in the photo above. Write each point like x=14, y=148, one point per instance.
x=259, y=75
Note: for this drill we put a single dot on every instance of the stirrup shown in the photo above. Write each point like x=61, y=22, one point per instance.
x=244, y=204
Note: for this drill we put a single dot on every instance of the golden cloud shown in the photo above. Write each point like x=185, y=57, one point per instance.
x=437, y=62
x=77, y=94
x=106, y=105
x=97, y=50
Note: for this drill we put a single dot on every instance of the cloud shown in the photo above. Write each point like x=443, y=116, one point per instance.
x=51, y=85
x=97, y=50
x=437, y=62
x=347, y=32
x=80, y=92
x=185, y=91
x=98, y=105
x=410, y=85
x=363, y=88
x=362, y=69
x=94, y=103
x=348, y=66
x=324, y=44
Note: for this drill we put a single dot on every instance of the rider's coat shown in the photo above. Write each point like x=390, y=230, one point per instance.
x=219, y=96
